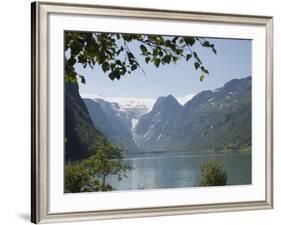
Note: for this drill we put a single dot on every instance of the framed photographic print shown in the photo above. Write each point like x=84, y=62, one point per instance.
x=146, y=112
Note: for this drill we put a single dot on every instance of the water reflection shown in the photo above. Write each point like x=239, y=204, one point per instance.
x=181, y=171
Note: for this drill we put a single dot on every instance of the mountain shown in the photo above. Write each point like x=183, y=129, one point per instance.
x=80, y=132
x=210, y=121
x=133, y=106
x=217, y=120
x=156, y=123
x=113, y=122
x=117, y=118
x=184, y=99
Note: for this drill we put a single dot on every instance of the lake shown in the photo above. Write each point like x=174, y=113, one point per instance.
x=178, y=171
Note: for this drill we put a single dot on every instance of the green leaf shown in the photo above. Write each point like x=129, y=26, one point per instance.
x=206, y=44
x=196, y=65
x=204, y=70
x=82, y=79
x=167, y=59
x=214, y=50
x=127, y=37
x=147, y=59
x=202, y=76
x=143, y=49
x=155, y=52
x=131, y=58
x=111, y=76
x=118, y=62
x=196, y=57
x=117, y=75
x=175, y=59
x=120, y=50
x=156, y=62
x=189, y=40
x=179, y=51
x=188, y=56
x=82, y=59
x=175, y=39
x=168, y=43
x=105, y=66
x=134, y=67
x=71, y=61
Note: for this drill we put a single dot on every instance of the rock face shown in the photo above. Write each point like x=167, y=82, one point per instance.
x=155, y=125
x=112, y=122
x=80, y=133
x=210, y=121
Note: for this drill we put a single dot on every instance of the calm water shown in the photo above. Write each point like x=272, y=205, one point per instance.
x=162, y=171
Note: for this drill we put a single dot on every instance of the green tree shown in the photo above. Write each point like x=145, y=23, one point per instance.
x=78, y=178
x=112, y=52
x=106, y=161
x=213, y=174
x=90, y=174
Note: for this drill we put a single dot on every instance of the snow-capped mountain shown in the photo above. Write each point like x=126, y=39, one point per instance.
x=138, y=106
x=154, y=125
x=181, y=124
x=211, y=121
x=184, y=99
x=113, y=122
x=142, y=105
x=118, y=118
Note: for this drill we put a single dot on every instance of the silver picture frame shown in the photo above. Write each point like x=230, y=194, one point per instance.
x=40, y=106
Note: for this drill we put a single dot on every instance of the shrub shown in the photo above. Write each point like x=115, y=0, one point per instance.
x=213, y=174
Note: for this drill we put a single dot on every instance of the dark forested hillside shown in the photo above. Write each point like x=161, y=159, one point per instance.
x=80, y=133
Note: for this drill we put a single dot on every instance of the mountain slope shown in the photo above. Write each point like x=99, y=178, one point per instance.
x=80, y=133
x=155, y=124
x=209, y=121
x=223, y=121
x=114, y=124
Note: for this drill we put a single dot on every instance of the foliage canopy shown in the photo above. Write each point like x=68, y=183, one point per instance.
x=112, y=52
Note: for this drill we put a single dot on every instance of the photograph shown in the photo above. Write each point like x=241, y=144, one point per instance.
x=140, y=112
x=153, y=111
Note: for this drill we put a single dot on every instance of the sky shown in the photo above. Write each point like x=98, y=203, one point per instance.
x=233, y=60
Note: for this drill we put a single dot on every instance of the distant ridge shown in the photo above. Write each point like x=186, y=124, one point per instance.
x=209, y=121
